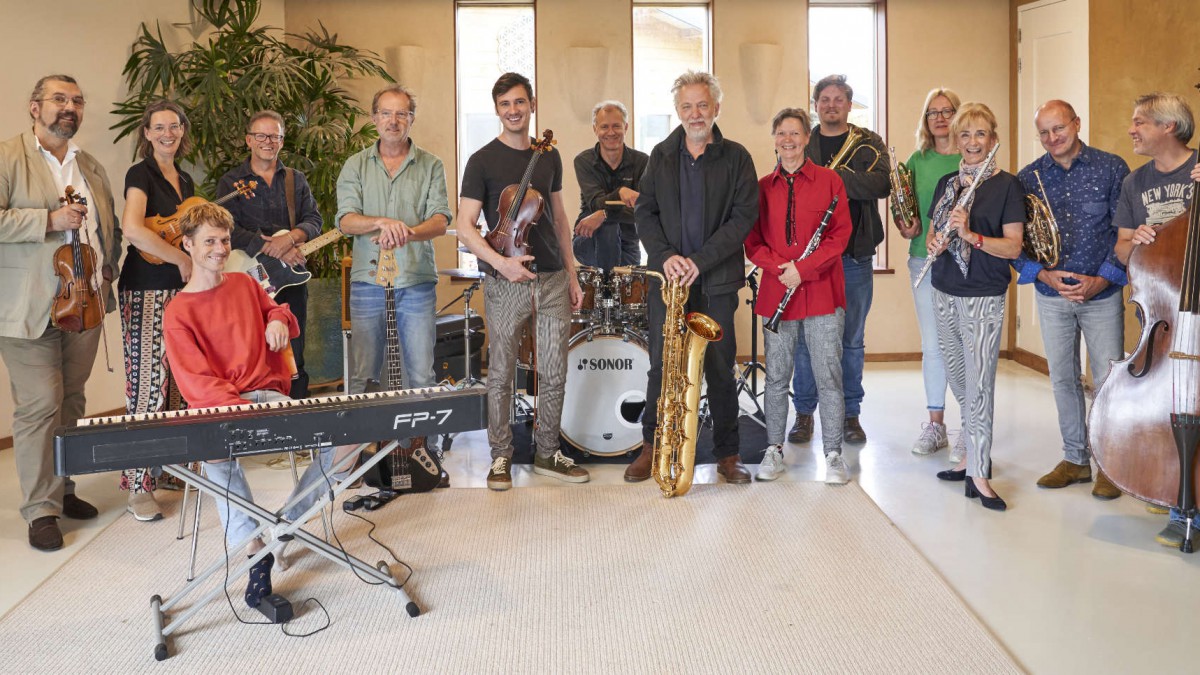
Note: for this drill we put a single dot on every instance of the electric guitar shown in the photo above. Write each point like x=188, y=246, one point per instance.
x=412, y=467
x=273, y=274
x=167, y=227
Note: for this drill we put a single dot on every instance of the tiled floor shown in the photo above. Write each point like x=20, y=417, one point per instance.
x=1067, y=583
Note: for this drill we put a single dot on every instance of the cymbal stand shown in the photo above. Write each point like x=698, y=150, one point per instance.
x=468, y=380
x=747, y=378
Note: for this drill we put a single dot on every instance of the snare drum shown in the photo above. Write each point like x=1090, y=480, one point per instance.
x=605, y=391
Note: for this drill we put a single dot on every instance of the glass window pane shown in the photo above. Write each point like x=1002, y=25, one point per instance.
x=667, y=40
x=491, y=41
x=842, y=41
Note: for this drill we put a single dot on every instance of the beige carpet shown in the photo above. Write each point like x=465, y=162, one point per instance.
x=790, y=577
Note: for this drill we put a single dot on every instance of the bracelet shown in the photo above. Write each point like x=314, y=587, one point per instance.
x=979, y=244
x=293, y=239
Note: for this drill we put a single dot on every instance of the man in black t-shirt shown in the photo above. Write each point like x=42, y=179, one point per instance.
x=515, y=286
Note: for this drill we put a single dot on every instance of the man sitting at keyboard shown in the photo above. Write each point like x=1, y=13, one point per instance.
x=226, y=341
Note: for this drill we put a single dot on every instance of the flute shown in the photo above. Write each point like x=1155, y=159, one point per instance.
x=772, y=323
x=962, y=202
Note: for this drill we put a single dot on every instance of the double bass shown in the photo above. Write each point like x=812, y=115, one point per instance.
x=78, y=305
x=1145, y=422
x=520, y=207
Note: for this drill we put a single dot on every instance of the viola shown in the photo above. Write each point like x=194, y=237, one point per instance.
x=520, y=207
x=78, y=305
x=1145, y=423
x=167, y=227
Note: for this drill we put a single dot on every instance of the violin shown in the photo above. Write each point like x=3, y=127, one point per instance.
x=167, y=227
x=520, y=207
x=78, y=305
x=1144, y=425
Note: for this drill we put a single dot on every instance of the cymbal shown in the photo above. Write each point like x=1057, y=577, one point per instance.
x=452, y=232
x=463, y=249
x=460, y=273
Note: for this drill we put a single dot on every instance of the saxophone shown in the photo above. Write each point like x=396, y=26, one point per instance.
x=685, y=337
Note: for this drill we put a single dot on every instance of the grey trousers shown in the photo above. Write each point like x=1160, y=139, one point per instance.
x=823, y=337
x=47, y=374
x=969, y=336
x=508, y=307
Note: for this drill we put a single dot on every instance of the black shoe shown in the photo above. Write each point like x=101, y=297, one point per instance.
x=802, y=430
x=852, y=432
x=993, y=503
x=44, y=534
x=76, y=508
x=952, y=474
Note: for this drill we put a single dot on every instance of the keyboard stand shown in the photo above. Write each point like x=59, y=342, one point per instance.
x=284, y=531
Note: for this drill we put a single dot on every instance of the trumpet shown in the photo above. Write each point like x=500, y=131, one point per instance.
x=962, y=202
x=1042, y=242
x=903, y=199
x=772, y=324
x=856, y=140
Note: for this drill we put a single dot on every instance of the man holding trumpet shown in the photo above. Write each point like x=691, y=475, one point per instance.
x=791, y=202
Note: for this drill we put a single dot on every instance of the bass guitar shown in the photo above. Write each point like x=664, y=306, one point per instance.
x=412, y=467
x=273, y=274
x=167, y=227
x=520, y=207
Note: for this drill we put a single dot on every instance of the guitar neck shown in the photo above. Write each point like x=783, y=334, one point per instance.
x=314, y=244
x=395, y=379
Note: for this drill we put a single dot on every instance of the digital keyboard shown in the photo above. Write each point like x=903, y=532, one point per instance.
x=181, y=436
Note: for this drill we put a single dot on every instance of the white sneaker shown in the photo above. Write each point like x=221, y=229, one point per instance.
x=933, y=438
x=772, y=463
x=960, y=449
x=143, y=506
x=836, y=472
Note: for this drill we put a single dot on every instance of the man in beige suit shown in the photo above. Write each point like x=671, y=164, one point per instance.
x=48, y=367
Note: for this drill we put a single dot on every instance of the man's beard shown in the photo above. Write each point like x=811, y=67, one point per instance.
x=64, y=132
x=698, y=136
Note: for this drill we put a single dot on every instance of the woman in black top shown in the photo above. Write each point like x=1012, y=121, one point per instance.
x=970, y=278
x=153, y=187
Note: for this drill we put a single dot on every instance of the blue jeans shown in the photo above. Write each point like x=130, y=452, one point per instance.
x=933, y=368
x=1102, y=324
x=415, y=327
x=610, y=245
x=859, y=289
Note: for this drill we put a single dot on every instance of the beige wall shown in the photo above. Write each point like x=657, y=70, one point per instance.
x=386, y=26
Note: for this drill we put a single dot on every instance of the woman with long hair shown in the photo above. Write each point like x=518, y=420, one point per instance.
x=154, y=186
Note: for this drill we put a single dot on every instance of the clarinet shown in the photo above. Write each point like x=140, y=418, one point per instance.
x=772, y=324
x=962, y=202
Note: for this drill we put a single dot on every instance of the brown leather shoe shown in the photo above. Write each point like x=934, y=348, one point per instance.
x=76, y=508
x=852, y=432
x=1104, y=488
x=44, y=534
x=639, y=469
x=802, y=430
x=733, y=470
x=1066, y=474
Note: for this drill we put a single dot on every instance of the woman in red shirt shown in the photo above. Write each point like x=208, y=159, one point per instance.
x=792, y=200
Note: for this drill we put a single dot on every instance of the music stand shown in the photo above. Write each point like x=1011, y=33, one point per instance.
x=747, y=378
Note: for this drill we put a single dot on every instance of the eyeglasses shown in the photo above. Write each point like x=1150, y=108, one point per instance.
x=397, y=115
x=944, y=113
x=61, y=100
x=173, y=128
x=263, y=138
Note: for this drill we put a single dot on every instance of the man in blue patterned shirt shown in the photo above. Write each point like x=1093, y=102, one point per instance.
x=1082, y=293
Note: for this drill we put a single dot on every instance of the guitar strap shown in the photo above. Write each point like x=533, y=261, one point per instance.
x=289, y=192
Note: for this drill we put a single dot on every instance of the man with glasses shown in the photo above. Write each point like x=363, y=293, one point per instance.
x=49, y=365
x=865, y=186
x=282, y=215
x=392, y=195
x=1082, y=293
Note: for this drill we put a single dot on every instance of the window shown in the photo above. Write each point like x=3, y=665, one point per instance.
x=491, y=40
x=667, y=40
x=848, y=39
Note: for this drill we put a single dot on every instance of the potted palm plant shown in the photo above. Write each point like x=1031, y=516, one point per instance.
x=238, y=69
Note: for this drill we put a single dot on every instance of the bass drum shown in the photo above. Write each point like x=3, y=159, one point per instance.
x=605, y=392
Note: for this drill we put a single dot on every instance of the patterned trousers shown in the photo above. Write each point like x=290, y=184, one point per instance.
x=969, y=338
x=508, y=307
x=149, y=386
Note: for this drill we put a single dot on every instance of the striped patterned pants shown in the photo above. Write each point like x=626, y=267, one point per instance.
x=149, y=386
x=508, y=307
x=969, y=338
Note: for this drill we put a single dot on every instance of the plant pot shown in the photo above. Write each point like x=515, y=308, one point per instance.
x=323, y=338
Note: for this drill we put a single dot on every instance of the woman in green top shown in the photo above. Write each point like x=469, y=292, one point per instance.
x=936, y=156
